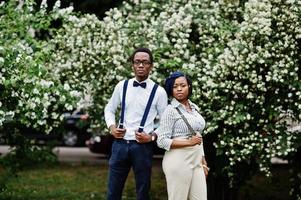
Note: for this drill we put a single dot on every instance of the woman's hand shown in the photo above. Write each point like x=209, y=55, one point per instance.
x=205, y=167
x=194, y=140
x=206, y=170
x=180, y=143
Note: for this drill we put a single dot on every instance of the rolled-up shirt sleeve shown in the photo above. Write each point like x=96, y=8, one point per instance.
x=165, y=128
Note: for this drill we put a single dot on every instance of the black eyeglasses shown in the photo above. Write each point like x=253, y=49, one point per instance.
x=144, y=62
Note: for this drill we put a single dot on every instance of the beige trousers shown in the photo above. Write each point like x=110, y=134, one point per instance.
x=184, y=174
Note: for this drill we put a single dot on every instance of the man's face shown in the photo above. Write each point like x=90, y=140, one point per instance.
x=142, y=65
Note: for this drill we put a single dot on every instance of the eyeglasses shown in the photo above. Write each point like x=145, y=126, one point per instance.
x=144, y=62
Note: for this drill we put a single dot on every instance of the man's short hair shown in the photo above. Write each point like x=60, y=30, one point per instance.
x=142, y=49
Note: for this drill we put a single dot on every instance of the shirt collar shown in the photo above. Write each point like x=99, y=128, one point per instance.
x=146, y=80
x=175, y=103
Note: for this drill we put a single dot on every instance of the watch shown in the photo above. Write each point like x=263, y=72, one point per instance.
x=153, y=138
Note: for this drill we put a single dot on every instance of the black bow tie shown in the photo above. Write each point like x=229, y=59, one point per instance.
x=136, y=84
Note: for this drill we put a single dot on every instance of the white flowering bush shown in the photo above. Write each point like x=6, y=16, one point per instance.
x=243, y=56
x=252, y=87
x=30, y=94
x=92, y=55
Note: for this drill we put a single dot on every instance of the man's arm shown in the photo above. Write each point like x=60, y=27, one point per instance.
x=161, y=102
x=111, y=107
x=161, y=106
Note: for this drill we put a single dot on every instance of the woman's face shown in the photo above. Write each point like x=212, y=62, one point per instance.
x=180, y=89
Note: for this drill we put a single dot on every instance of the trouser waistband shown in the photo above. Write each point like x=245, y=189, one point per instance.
x=125, y=141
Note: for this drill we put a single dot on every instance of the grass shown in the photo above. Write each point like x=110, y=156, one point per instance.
x=76, y=182
x=86, y=181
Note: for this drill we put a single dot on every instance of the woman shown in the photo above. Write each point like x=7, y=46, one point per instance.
x=184, y=163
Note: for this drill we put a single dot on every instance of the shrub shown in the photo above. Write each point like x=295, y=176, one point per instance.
x=244, y=57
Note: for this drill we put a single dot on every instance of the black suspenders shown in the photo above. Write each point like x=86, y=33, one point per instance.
x=147, y=108
x=125, y=86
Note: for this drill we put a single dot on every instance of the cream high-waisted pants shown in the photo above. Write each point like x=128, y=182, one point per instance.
x=184, y=174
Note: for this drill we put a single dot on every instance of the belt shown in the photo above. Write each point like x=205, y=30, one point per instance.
x=126, y=141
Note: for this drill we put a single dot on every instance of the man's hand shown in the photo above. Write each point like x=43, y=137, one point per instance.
x=117, y=132
x=143, y=137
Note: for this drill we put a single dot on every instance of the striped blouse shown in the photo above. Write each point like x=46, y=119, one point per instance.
x=172, y=125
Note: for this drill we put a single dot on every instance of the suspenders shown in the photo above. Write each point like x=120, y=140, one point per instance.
x=147, y=108
x=125, y=86
x=149, y=103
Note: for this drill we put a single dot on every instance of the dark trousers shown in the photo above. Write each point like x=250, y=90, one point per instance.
x=127, y=154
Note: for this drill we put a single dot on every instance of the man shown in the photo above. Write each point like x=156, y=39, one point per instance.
x=141, y=101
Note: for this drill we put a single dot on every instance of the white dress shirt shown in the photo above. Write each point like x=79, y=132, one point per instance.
x=172, y=125
x=135, y=104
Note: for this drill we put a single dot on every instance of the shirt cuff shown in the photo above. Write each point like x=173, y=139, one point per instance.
x=168, y=142
x=110, y=123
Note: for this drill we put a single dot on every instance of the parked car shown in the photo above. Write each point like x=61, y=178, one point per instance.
x=102, y=144
x=74, y=132
x=76, y=129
